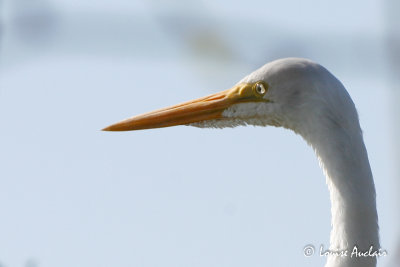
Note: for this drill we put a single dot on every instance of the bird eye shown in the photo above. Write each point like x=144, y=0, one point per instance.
x=260, y=88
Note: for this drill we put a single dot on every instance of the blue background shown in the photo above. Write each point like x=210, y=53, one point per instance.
x=71, y=195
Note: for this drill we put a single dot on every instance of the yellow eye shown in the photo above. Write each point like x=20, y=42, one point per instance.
x=260, y=88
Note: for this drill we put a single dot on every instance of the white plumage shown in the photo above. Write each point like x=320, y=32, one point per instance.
x=304, y=97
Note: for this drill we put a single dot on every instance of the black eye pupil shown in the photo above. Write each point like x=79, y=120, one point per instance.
x=260, y=89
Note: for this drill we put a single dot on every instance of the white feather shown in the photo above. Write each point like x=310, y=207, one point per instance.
x=309, y=100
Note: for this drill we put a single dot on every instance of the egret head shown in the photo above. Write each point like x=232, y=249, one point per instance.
x=304, y=97
x=292, y=93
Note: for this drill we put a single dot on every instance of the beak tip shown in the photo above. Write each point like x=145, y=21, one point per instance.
x=110, y=128
x=121, y=126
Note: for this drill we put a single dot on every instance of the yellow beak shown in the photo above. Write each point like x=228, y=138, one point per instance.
x=206, y=108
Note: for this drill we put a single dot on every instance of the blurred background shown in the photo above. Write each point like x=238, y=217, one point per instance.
x=71, y=195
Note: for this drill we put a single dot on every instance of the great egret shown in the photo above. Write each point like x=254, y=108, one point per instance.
x=303, y=96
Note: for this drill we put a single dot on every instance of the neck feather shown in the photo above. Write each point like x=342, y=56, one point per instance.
x=348, y=174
